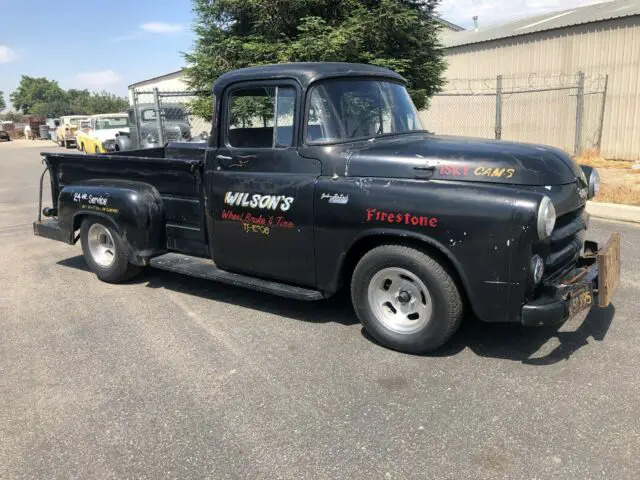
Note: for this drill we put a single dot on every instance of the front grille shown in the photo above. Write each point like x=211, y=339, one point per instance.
x=172, y=136
x=566, y=243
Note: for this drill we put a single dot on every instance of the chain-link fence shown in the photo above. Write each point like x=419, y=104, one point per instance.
x=161, y=116
x=566, y=111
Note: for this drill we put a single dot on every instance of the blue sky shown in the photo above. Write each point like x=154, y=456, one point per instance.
x=92, y=44
x=108, y=45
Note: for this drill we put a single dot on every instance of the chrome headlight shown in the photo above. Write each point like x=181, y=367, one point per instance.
x=546, y=218
x=152, y=138
x=594, y=183
x=109, y=145
x=537, y=267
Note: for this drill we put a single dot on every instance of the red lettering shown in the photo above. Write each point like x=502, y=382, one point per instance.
x=374, y=214
x=370, y=213
x=466, y=171
x=455, y=171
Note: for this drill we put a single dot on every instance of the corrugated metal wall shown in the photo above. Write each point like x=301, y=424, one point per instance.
x=611, y=47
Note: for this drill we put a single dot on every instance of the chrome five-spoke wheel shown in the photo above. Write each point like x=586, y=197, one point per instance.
x=101, y=245
x=400, y=300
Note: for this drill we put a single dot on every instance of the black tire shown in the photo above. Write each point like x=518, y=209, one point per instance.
x=120, y=270
x=446, y=302
x=97, y=150
x=67, y=144
x=60, y=143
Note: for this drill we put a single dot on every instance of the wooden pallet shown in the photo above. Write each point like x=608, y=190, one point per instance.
x=608, y=270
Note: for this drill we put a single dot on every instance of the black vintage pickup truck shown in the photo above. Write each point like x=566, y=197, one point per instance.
x=320, y=175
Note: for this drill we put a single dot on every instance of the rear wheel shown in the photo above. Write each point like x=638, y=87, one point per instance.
x=105, y=251
x=97, y=150
x=405, y=299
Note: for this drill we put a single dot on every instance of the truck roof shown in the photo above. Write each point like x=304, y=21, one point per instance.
x=304, y=72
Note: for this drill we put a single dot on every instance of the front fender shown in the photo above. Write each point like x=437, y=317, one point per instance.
x=479, y=228
x=133, y=208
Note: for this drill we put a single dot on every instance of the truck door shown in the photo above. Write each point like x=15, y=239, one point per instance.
x=262, y=192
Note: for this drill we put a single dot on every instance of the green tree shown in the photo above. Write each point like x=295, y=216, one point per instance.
x=44, y=97
x=3, y=105
x=12, y=116
x=104, y=102
x=33, y=92
x=398, y=34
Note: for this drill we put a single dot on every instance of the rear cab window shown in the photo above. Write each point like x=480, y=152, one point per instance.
x=261, y=117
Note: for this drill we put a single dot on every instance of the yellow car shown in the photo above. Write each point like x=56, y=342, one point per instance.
x=100, y=137
x=66, y=132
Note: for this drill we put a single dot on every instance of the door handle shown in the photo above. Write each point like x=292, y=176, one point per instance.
x=423, y=172
x=234, y=161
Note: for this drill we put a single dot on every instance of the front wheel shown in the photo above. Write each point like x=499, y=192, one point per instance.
x=405, y=299
x=105, y=251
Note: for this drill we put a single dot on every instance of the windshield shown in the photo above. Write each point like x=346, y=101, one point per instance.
x=170, y=114
x=346, y=110
x=105, y=123
x=74, y=121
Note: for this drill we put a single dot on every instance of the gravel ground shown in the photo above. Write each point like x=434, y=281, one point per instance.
x=173, y=377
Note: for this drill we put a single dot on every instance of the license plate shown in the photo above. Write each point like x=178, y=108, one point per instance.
x=609, y=270
x=580, y=300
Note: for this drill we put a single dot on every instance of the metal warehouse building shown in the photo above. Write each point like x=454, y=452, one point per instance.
x=570, y=79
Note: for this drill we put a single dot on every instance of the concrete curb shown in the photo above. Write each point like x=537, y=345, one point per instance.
x=614, y=211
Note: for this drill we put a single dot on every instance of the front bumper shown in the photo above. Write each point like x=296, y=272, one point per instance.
x=51, y=230
x=594, y=280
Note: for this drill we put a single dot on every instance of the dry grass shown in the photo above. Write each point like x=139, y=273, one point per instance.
x=619, y=182
x=593, y=159
x=619, y=194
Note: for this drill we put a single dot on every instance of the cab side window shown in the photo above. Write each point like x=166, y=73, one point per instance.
x=261, y=117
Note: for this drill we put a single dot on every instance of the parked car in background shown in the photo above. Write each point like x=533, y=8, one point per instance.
x=101, y=135
x=66, y=132
x=175, y=127
x=4, y=136
x=53, y=124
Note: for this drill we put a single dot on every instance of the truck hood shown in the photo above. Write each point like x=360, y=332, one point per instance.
x=464, y=159
x=108, y=134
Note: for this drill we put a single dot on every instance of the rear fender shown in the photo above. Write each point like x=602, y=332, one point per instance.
x=134, y=209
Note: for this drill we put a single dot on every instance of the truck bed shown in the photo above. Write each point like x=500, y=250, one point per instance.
x=176, y=172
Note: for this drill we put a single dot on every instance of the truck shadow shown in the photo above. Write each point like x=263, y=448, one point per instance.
x=525, y=344
x=334, y=310
x=496, y=340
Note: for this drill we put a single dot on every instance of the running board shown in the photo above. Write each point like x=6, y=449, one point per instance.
x=205, y=268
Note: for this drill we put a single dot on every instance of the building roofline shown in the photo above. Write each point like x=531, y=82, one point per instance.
x=159, y=77
x=449, y=24
x=588, y=14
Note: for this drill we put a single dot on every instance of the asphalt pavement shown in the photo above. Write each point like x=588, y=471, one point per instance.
x=174, y=377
